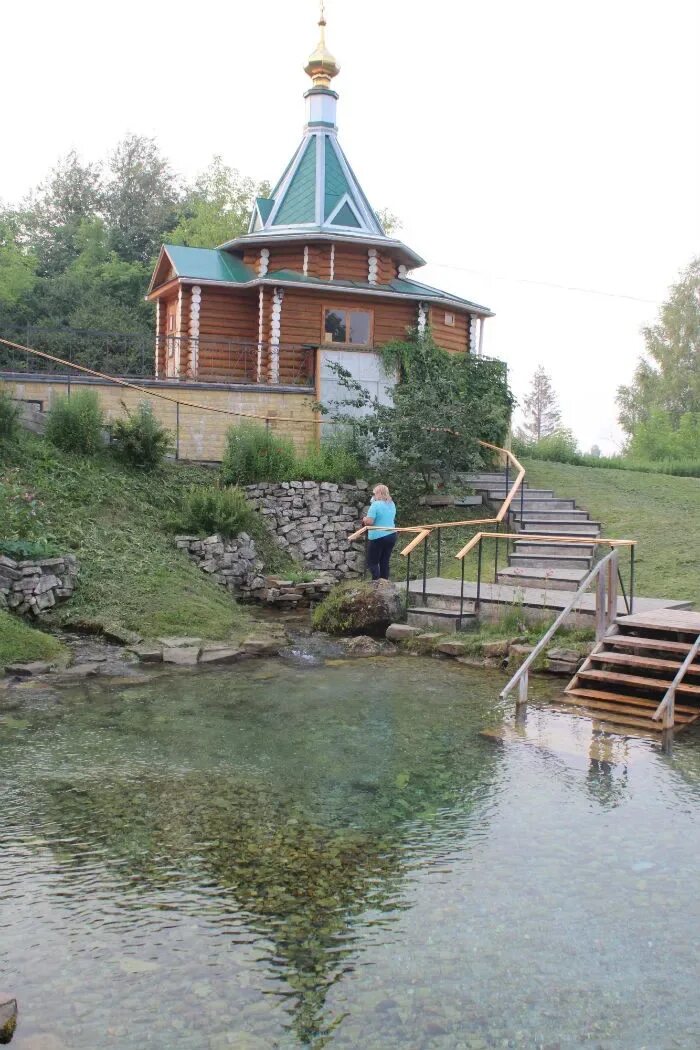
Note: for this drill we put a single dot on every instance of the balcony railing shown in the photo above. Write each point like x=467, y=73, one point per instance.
x=138, y=355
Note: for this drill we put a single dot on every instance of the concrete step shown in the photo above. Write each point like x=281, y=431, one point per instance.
x=568, y=550
x=549, y=561
x=554, y=516
x=538, y=526
x=555, y=579
x=534, y=503
x=447, y=621
x=501, y=493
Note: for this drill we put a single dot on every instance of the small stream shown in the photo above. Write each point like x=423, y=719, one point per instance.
x=320, y=851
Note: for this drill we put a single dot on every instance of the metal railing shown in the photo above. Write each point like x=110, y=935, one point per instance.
x=606, y=613
x=667, y=707
x=138, y=355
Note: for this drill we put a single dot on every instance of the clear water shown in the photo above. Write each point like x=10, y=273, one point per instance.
x=286, y=856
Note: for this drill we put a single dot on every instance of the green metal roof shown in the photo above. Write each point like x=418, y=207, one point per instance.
x=265, y=206
x=412, y=289
x=299, y=203
x=208, y=264
x=345, y=217
x=336, y=183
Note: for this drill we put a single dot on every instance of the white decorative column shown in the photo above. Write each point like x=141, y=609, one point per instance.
x=273, y=373
x=195, y=307
x=481, y=336
x=264, y=264
x=472, y=335
x=402, y=272
x=372, y=267
x=332, y=271
x=159, y=337
x=422, y=318
x=306, y=260
x=261, y=335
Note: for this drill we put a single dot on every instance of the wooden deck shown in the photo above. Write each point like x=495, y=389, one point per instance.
x=626, y=676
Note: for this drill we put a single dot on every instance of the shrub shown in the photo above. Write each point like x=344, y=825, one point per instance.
x=254, y=453
x=212, y=510
x=9, y=415
x=75, y=424
x=140, y=440
x=18, y=550
x=337, y=458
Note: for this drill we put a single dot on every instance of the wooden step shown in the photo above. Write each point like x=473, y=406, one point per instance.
x=671, y=621
x=651, y=662
x=658, y=684
x=613, y=717
x=602, y=694
x=631, y=641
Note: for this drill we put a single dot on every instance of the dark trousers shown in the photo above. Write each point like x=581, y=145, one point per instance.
x=379, y=556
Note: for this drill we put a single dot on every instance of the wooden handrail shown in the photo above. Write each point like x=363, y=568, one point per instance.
x=667, y=705
x=521, y=675
x=532, y=538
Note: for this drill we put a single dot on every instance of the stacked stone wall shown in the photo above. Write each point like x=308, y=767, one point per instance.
x=35, y=585
x=311, y=520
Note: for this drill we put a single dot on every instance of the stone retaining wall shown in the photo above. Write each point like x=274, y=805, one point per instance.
x=36, y=585
x=232, y=563
x=312, y=520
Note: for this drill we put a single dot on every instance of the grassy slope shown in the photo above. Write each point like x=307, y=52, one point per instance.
x=115, y=520
x=20, y=643
x=661, y=512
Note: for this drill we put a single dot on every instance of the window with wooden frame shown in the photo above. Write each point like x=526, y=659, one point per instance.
x=343, y=327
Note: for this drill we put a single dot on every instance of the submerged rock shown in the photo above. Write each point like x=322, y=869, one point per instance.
x=29, y=669
x=360, y=608
x=363, y=645
x=8, y=1018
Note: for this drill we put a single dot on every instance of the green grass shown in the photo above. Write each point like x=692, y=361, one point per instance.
x=660, y=511
x=20, y=643
x=116, y=520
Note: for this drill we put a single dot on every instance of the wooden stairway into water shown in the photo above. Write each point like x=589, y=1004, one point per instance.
x=626, y=676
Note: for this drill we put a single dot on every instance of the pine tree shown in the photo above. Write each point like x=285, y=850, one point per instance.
x=540, y=408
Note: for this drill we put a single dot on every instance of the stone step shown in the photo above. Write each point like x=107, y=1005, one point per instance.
x=566, y=550
x=549, y=561
x=447, y=621
x=534, y=503
x=555, y=579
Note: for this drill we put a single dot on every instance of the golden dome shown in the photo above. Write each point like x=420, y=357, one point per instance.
x=322, y=66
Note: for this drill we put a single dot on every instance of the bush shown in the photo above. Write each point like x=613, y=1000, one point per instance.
x=337, y=458
x=210, y=510
x=9, y=416
x=254, y=453
x=140, y=440
x=18, y=550
x=559, y=447
x=75, y=424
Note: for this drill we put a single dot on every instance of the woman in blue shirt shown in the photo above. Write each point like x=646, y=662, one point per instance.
x=382, y=513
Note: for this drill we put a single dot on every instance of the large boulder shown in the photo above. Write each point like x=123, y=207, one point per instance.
x=359, y=607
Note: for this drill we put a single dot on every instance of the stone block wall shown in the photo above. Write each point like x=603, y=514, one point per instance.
x=36, y=585
x=232, y=563
x=311, y=520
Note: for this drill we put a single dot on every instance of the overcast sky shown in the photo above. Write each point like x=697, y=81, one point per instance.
x=523, y=145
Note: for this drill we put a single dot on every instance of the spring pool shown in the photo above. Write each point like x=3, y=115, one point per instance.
x=289, y=855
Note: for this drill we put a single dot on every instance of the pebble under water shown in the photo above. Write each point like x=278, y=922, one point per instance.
x=330, y=854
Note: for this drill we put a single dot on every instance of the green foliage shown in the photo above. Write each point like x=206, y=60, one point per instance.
x=140, y=198
x=666, y=383
x=117, y=522
x=559, y=447
x=256, y=453
x=208, y=510
x=556, y=452
x=656, y=437
x=21, y=549
x=20, y=643
x=140, y=440
x=443, y=404
x=9, y=416
x=75, y=424
x=217, y=208
x=338, y=458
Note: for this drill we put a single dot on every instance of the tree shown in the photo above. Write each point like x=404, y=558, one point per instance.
x=141, y=199
x=540, y=408
x=667, y=379
x=49, y=220
x=388, y=221
x=442, y=405
x=217, y=208
x=17, y=274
